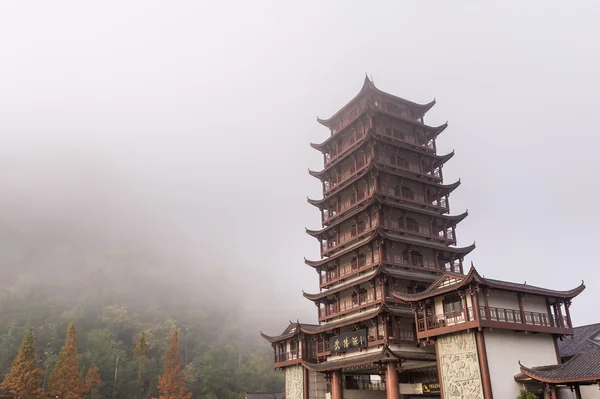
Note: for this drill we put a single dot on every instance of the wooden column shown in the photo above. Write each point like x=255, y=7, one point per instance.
x=568, y=314
x=425, y=315
x=486, y=304
x=336, y=385
x=521, y=310
x=392, y=387
x=463, y=294
x=561, y=322
x=475, y=302
x=577, y=392
x=305, y=375
x=483, y=365
x=550, y=317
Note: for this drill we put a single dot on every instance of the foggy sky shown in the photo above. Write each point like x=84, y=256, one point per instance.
x=186, y=126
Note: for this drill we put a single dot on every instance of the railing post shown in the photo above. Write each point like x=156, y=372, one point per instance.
x=521, y=310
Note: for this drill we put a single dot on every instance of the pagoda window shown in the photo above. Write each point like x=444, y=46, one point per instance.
x=408, y=193
x=403, y=163
x=417, y=258
x=412, y=225
x=452, y=304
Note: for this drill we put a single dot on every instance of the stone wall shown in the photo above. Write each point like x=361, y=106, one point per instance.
x=294, y=382
x=459, y=365
x=317, y=385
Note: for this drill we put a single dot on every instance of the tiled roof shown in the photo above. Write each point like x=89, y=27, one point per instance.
x=583, y=340
x=357, y=360
x=583, y=367
x=473, y=275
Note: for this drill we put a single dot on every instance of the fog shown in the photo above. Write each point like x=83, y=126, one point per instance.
x=182, y=131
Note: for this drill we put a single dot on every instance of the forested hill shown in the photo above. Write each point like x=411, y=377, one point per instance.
x=113, y=291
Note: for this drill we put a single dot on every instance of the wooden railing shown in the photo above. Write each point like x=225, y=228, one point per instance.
x=413, y=197
x=348, y=304
x=286, y=356
x=391, y=161
x=503, y=315
x=353, y=200
x=347, y=174
x=348, y=269
x=354, y=140
x=417, y=229
x=349, y=235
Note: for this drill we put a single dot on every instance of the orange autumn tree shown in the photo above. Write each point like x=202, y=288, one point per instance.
x=92, y=381
x=24, y=378
x=171, y=383
x=65, y=381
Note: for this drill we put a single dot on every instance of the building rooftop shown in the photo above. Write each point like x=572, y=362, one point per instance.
x=583, y=367
x=584, y=339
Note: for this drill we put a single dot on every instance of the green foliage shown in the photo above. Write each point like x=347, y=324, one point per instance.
x=527, y=395
x=124, y=332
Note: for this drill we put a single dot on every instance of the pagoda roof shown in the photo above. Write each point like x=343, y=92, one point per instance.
x=384, y=354
x=433, y=130
x=583, y=367
x=380, y=269
x=459, y=281
x=445, y=188
x=399, y=205
x=396, y=238
x=369, y=86
x=323, y=173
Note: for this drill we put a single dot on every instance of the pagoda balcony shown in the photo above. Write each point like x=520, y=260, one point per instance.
x=402, y=337
x=349, y=235
x=445, y=235
x=409, y=166
x=492, y=317
x=396, y=135
x=413, y=198
x=340, y=151
x=359, y=302
x=332, y=184
x=354, y=200
x=422, y=263
x=347, y=270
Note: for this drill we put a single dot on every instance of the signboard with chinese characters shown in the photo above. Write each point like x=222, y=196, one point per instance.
x=348, y=341
x=429, y=387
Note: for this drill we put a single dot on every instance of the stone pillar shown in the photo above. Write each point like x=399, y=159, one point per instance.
x=336, y=385
x=392, y=386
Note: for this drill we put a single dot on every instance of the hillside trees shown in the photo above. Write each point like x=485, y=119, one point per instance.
x=25, y=376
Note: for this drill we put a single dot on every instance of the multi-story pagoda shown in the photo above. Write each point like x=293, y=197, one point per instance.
x=385, y=228
x=397, y=315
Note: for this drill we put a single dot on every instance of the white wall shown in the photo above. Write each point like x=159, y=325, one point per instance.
x=500, y=299
x=506, y=348
x=587, y=392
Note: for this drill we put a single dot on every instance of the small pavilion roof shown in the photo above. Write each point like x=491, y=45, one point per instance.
x=396, y=238
x=460, y=281
x=583, y=367
x=453, y=219
x=295, y=328
x=369, y=86
x=291, y=330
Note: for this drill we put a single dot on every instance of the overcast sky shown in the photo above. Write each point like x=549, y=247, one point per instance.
x=187, y=124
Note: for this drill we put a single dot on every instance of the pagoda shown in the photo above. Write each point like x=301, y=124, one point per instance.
x=386, y=229
x=397, y=315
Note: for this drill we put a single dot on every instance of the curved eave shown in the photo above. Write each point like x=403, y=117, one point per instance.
x=442, y=159
x=316, y=203
x=474, y=276
x=400, y=205
x=344, y=185
x=315, y=297
x=462, y=251
x=347, y=216
x=352, y=361
x=318, y=147
x=445, y=188
x=542, y=377
x=277, y=338
x=318, y=175
x=367, y=84
x=434, y=132
x=317, y=263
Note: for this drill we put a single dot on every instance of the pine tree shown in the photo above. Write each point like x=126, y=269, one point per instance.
x=65, y=381
x=171, y=383
x=25, y=377
x=140, y=353
x=92, y=381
